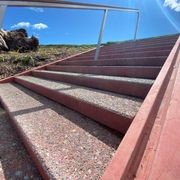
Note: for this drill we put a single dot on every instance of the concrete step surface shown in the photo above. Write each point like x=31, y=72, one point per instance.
x=63, y=143
x=123, y=85
x=119, y=110
x=15, y=161
x=148, y=72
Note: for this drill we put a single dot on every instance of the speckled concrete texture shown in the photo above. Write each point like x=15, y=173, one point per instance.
x=120, y=104
x=68, y=145
x=115, y=78
x=15, y=163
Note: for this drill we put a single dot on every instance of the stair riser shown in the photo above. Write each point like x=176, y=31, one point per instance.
x=126, y=88
x=122, y=50
x=124, y=62
x=104, y=116
x=139, y=72
x=125, y=55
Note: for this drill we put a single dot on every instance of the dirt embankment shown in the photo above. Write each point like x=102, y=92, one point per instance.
x=12, y=63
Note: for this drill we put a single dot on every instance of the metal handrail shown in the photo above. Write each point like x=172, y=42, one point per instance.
x=70, y=5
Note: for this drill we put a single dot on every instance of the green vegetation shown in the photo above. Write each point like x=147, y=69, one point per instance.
x=13, y=62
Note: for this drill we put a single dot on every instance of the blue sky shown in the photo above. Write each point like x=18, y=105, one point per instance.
x=62, y=26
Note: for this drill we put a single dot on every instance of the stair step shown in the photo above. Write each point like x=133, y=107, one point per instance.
x=125, y=55
x=142, y=61
x=119, y=110
x=152, y=41
x=147, y=72
x=104, y=51
x=142, y=45
x=122, y=85
x=15, y=161
x=129, y=48
x=63, y=143
x=136, y=45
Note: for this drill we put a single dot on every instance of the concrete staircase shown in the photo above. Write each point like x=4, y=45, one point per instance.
x=71, y=114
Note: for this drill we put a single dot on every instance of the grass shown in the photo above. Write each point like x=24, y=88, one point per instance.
x=12, y=63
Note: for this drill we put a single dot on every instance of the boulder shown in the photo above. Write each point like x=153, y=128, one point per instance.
x=17, y=40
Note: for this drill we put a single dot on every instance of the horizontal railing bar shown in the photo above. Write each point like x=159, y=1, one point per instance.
x=64, y=4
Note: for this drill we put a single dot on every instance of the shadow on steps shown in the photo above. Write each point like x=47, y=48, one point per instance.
x=15, y=163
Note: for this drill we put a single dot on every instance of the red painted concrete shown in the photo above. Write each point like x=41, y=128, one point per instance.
x=150, y=41
x=146, y=45
x=139, y=45
x=112, y=120
x=151, y=61
x=127, y=71
x=126, y=55
x=105, y=50
x=132, y=49
x=129, y=154
x=153, y=141
x=121, y=87
x=166, y=164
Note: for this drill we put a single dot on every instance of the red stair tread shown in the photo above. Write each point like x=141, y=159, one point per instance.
x=67, y=144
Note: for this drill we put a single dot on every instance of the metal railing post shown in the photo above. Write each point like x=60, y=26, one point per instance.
x=101, y=34
x=2, y=12
x=137, y=25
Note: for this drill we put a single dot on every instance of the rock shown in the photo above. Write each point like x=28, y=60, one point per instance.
x=17, y=40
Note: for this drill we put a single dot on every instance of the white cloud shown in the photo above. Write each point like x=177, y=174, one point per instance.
x=40, y=10
x=39, y=26
x=173, y=4
x=21, y=25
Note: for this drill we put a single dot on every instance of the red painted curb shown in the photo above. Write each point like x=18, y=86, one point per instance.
x=166, y=162
x=129, y=154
